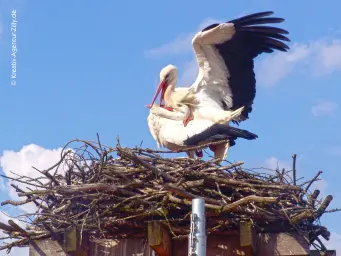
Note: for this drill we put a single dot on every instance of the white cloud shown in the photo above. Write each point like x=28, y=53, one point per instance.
x=324, y=108
x=181, y=44
x=318, y=58
x=276, y=66
x=16, y=252
x=273, y=163
x=21, y=163
x=331, y=56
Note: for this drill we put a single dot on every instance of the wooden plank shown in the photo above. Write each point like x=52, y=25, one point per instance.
x=159, y=239
x=282, y=244
x=51, y=247
x=120, y=247
x=46, y=247
x=217, y=245
x=247, y=237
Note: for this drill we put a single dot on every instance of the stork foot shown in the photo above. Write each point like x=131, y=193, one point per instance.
x=187, y=120
x=167, y=108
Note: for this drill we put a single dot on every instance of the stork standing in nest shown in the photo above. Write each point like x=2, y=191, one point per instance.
x=225, y=87
x=173, y=135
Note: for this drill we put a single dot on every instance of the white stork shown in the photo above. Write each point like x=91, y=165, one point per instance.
x=225, y=86
x=174, y=135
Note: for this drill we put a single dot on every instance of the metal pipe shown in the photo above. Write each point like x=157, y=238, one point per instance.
x=197, y=237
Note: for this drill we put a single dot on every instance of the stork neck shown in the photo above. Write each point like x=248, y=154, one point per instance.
x=168, y=93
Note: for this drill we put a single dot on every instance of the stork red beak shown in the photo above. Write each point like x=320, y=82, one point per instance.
x=161, y=87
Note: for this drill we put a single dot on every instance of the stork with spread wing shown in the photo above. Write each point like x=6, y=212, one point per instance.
x=225, y=87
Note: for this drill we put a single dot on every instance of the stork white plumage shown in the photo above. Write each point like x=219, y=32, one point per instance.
x=225, y=87
x=173, y=135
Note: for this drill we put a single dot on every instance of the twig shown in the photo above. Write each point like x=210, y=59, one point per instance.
x=294, y=168
x=313, y=180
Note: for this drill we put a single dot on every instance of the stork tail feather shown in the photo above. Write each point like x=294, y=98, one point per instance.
x=219, y=132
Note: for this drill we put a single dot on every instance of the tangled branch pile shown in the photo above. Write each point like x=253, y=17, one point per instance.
x=113, y=192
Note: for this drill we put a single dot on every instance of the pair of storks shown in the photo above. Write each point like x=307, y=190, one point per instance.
x=224, y=90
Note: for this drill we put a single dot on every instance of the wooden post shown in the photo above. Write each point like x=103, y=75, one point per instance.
x=70, y=240
x=217, y=245
x=159, y=239
x=247, y=237
x=74, y=243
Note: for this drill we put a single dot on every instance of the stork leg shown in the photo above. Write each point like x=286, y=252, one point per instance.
x=190, y=154
x=199, y=153
x=187, y=120
x=220, y=150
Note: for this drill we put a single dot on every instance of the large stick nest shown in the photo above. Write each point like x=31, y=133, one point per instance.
x=113, y=192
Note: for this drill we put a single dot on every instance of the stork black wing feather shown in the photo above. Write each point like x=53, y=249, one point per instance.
x=276, y=44
x=263, y=29
x=272, y=35
x=250, y=39
x=245, y=19
x=267, y=49
x=260, y=21
x=249, y=17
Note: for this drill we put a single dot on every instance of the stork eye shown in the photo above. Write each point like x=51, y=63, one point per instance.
x=167, y=77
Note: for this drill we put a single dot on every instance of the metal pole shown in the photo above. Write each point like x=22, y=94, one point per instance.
x=197, y=237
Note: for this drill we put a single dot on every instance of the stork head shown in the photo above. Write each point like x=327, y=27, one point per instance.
x=168, y=75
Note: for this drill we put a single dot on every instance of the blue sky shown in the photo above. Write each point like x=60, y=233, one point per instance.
x=85, y=67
